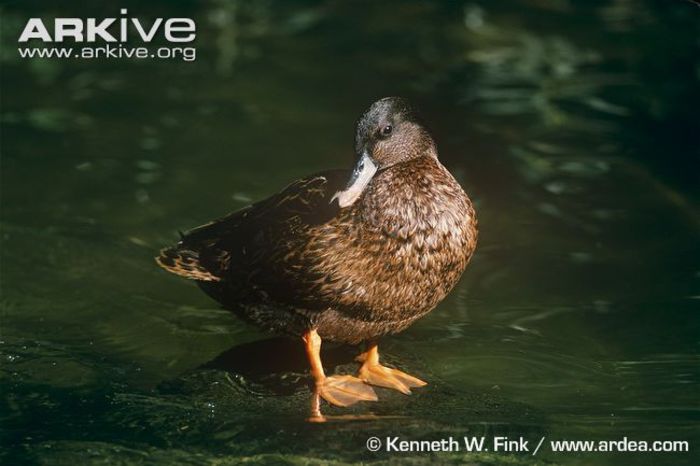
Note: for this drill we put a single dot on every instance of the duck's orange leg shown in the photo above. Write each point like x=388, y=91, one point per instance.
x=374, y=373
x=340, y=390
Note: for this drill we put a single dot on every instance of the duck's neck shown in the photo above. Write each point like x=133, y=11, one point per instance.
x=413, y=196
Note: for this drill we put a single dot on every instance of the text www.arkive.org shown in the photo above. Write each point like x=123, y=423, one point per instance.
x=109, y=51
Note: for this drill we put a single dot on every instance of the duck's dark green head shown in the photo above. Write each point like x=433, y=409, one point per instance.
x=387, y=134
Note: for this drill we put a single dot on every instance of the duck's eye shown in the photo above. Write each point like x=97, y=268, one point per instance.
x=386, y=131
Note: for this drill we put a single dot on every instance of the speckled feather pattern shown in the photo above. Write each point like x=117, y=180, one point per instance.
x=398, y=251
x=296, y=261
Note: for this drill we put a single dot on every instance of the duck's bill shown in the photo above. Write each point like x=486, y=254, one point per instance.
x=361, y=176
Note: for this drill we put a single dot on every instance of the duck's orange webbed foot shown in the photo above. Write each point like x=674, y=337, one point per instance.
x=339, y=390
x=345, y=390
x=374, y=373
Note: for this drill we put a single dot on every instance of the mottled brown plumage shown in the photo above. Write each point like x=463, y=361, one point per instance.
x=351, y=262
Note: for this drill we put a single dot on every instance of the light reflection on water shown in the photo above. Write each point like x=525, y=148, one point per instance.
x=577, y=317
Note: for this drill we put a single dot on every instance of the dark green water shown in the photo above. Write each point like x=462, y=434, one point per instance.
x=573, y=126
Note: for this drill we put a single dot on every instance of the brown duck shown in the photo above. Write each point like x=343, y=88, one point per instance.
x=346, y=256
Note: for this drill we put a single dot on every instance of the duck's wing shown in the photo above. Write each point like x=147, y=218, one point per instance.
x=254, y=240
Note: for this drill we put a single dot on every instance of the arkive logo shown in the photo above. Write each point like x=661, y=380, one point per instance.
x=114, y=33
x=88, y=30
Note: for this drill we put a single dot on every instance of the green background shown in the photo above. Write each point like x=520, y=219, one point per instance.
x=572, y=125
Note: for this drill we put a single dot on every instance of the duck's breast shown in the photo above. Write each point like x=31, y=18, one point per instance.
x=404, y=246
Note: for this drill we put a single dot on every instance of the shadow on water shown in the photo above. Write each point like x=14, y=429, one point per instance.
x=230, y=407
x=276, y=417
x=279, y=365
x=571, y=124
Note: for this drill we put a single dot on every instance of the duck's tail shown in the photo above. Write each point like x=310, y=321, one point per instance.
x=185, y=263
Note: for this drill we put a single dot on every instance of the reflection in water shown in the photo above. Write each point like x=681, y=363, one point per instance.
x=574, y=123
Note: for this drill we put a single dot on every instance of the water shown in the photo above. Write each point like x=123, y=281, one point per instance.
x=571, y=124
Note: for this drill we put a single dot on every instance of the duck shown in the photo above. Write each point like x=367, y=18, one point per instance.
x=344, y=255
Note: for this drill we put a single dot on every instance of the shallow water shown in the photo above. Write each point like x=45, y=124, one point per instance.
x=571, y=124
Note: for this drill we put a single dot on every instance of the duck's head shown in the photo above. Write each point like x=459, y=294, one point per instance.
x=387, y=134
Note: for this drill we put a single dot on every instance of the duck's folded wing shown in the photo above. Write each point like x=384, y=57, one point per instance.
x=259, y=246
